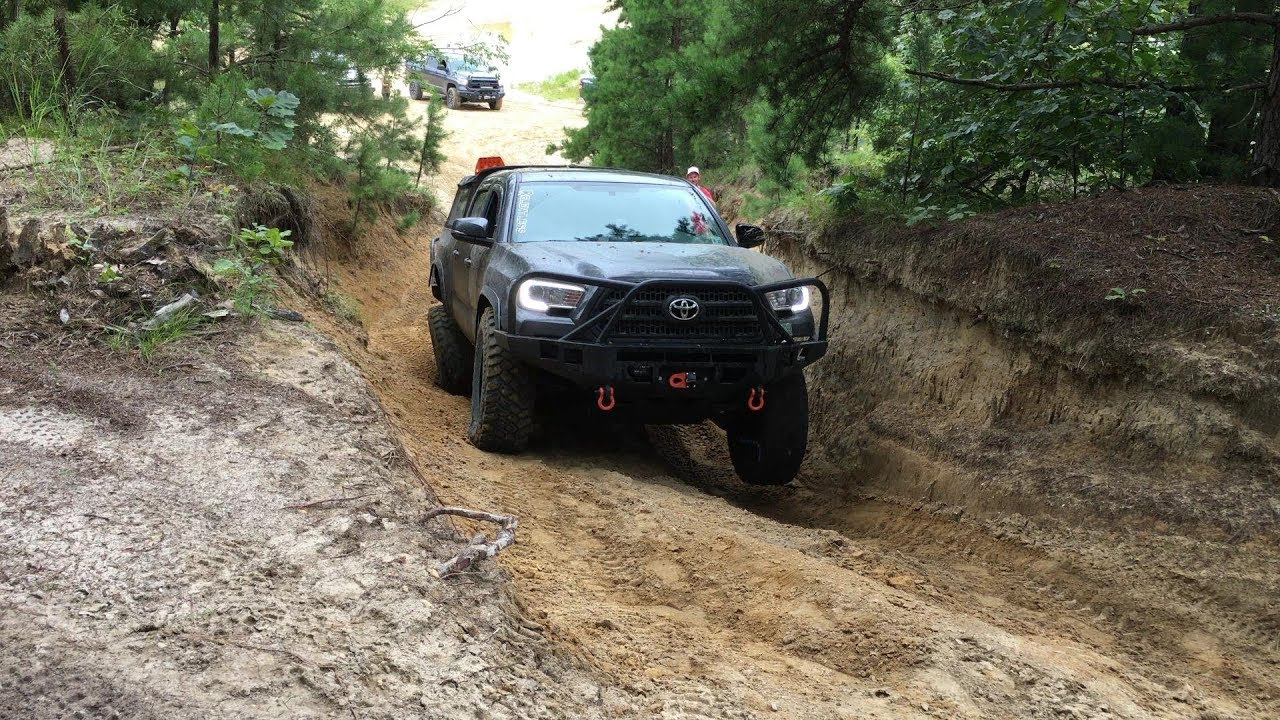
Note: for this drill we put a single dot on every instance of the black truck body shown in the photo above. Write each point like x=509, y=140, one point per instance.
x=633, y=321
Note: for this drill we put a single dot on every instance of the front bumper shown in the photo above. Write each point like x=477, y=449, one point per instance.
x=591, y=353
x=480, y=94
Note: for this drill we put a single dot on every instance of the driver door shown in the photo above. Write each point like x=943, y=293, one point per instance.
x=471, y=258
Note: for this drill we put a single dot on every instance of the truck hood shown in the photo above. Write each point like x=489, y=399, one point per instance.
x=646, y=261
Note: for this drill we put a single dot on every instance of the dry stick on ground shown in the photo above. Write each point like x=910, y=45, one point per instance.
x=480, y=548
x=304, y=506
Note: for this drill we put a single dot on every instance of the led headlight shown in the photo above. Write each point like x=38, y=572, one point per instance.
x=546, y=295
x=795, y=299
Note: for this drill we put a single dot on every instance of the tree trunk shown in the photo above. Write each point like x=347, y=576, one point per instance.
x=667, y=152
x=66, y=65
x=168, y=79
x=1266, y=154
x=215, y=55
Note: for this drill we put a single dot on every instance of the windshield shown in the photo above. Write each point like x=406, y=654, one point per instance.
x=613, y=212
x=459, y=64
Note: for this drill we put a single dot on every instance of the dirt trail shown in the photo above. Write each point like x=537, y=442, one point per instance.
x=705, y=598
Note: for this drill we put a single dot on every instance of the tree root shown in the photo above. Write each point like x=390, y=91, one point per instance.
x=480, y=547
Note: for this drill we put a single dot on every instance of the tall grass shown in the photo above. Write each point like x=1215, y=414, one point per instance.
x=562, y=86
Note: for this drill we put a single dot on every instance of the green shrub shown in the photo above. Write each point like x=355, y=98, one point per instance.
x=561, y=86
x=114, y=61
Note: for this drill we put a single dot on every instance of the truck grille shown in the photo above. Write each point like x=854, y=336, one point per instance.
x=475, y=84
x=725, y=314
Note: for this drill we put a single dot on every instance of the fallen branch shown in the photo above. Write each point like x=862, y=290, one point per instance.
x=304, y=506
x=480, y=548
x=1067, y=84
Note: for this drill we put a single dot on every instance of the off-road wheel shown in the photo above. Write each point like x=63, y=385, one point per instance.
x=502, y=394
x=451, y=98
x=767, y=447
x=415, y=90
x=495, y=104
x=453, y=352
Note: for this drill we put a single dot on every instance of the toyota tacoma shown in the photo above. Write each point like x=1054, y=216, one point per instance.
x=626, y=294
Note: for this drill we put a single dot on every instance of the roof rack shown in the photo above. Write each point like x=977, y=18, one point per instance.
x=471, y=179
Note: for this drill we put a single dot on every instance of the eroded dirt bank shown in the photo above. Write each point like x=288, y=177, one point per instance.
x=642, y=555
x=234, y=534
x=982, y=365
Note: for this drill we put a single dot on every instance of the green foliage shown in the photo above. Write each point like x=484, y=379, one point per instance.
x=148, y=340
x=723, y=82
x=116, y=68
x=234, y=125
x=1087, y=104
x=249, y=283
x=378, y=180
x=430, y=157
x=264, y=244
x=289, y=99
x=110, y=274
x=1121, y=295
x=408, y=221
x=247, y=272
x=344, y=307
x=84, y=249
x=558, y=87
x=926, y=112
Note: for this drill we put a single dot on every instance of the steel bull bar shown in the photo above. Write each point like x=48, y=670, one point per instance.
x=598, y=361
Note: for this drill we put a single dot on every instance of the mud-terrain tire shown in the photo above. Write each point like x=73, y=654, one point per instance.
x=452, y=351
x=451, y=98
x=415, y=90
x=502, y=394
x=495, y=104
x=767, y=447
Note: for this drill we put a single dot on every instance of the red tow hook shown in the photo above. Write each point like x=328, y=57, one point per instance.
x=679, y=381
x=755, y=401
x=600, y=398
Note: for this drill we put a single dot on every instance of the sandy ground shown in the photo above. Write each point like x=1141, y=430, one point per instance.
x=519, y=133
x=232, y=532
x=701, y=597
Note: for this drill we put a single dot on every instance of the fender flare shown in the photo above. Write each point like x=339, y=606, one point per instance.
x=435, y=282
x=489, y=298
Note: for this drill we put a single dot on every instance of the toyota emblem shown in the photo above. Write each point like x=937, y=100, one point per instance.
x=683, y=308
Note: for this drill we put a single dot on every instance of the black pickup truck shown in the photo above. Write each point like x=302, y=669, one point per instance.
x=458, y=80
x=624, y=293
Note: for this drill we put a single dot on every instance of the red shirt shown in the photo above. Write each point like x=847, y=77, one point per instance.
x=707, y=192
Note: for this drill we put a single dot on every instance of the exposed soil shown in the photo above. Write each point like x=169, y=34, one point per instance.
x=642, y=554
x=1199, y=262
x=232, y=532
x=964, y=369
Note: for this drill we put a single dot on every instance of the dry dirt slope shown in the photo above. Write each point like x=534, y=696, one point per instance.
x=234, y=534
x=705, y=598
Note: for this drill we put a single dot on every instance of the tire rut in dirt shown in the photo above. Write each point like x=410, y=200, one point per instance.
x=1030, y=584
x=1009, y=576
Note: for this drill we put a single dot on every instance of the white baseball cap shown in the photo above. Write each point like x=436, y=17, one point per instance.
x=692, y=170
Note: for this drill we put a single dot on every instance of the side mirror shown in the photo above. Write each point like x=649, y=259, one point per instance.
x=749, y=236
x=473, y=230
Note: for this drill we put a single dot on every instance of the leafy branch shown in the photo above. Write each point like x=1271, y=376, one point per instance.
x=1078, y=83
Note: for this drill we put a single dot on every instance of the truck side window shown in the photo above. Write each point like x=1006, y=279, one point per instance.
x=480, y=204
x=493, y=210
x=460, y=204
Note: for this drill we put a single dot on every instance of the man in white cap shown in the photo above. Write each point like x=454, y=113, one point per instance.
x=694, y=176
